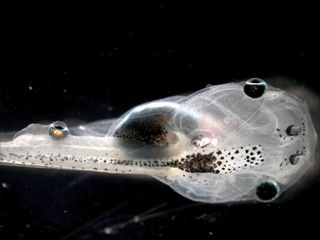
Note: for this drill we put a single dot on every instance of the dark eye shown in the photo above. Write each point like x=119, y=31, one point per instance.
x=267, y=191
x=293, y=130
x=254, y=87
x=58, y=130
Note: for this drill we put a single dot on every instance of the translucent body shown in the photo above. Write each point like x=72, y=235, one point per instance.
x=216, y=145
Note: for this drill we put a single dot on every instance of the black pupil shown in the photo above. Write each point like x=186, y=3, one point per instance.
x=254, y=88
x=59, y=127
x=255, y=81
x=266, y=191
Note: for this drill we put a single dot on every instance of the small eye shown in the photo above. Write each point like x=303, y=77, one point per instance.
x=58, y=130
x=267, y=191
x=293, y=130
x=295, y=158
x=254, y=87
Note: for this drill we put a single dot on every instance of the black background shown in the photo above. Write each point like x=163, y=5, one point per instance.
x=88, y=60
